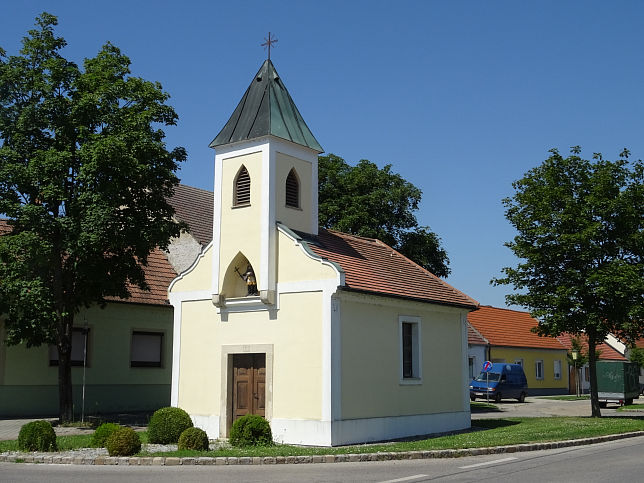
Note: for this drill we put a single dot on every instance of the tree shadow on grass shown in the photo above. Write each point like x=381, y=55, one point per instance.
x=484, y=424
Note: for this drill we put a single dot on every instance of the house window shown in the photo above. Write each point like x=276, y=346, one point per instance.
x=410, y=353
x=519, y=361
x=80, y=337
x=241, y=195
x=471, y=365
x=292, y=190
x=557, y=369
x=146, y=349
x=538, y=370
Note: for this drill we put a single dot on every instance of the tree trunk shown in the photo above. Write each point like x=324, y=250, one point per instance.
x=65, y=394
x=592, y=360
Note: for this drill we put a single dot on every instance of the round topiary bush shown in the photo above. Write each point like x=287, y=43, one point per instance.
x=37, y=436
x=101, y=434
x=251, y=430
x=167, y=424
x=194, y=438
x=123, y=442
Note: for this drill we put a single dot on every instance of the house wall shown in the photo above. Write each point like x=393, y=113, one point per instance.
x=242, y=224
x=29, y=385
x=376, y=403
x=547, y=385
x=478, y=355
x=291, y=333
x=294, y=218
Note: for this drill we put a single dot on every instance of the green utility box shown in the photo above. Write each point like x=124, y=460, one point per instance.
x=617, y=382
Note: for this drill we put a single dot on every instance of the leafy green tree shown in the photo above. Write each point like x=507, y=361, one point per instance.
x=635, y=354
x=84, y=179
x=580, y=240
x=368, y=201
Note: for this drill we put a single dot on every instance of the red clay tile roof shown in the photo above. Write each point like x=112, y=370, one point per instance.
x=195, y=207
x=4, y=227
x=372, y=266
x=159, y=273
x=606, y=351
x=509, y=328
x=474, y=337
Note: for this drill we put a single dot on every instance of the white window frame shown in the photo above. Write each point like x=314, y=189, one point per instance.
x=519, y=361
x=557, y=375
x=538, y=370
x=417, y=353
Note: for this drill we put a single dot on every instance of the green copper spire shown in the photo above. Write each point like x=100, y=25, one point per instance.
x=266, y=108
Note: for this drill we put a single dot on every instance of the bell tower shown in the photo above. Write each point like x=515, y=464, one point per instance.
x=265, y=172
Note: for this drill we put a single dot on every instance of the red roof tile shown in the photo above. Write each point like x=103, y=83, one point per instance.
x=4, y=227
x=195, y=207
x=372, y=266
x=606, y=351
x=474, y=337
x=509, y=328
x=158, y=273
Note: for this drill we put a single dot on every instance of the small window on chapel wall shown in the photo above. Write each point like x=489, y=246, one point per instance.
x=292, y=190
x=241, y=195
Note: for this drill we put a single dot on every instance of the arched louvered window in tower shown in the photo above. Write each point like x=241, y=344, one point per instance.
x=241, y=194
x=292, y=190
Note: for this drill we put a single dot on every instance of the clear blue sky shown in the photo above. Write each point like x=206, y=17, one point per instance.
x=461, y=97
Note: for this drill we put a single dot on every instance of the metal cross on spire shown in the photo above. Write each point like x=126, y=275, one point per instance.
x=267, y=44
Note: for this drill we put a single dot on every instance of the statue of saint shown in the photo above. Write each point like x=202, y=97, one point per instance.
x=249, y=277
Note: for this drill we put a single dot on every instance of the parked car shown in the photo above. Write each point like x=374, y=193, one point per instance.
x=501, y=381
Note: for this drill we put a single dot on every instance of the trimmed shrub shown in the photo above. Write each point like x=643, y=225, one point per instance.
x=167, y=424
x=37, y=436
x=194, y=438
x=101, y=434
x=123, y=442
x=251, y=430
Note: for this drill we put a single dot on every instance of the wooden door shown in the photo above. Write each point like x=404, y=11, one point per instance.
x=249, y=385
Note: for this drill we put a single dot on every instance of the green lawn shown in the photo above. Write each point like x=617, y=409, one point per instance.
x=632, y=407
x=566, y=398
x=490, y=432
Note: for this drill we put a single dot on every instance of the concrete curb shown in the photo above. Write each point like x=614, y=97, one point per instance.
x=280, y=460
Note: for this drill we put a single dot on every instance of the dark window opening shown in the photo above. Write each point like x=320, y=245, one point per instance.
x=146, y=349
x=407, y=350
x=79, y=346
x=292, y=190
x=242, y=188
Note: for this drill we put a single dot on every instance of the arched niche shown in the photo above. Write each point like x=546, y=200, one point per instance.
x=237, y=277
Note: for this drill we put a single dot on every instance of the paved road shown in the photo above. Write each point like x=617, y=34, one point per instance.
x=615, y=461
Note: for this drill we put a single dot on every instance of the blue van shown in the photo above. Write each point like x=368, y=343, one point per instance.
x=505, y=381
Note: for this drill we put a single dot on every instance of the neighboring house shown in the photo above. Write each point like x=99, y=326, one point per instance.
x=510, y=337
x=129, y=342
x=604, y=353
x=334, y=338
x=477, y=351
x=128, y=363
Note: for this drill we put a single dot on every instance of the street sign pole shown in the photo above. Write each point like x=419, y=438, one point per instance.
x=487, y=365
